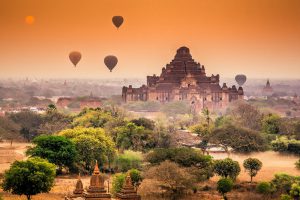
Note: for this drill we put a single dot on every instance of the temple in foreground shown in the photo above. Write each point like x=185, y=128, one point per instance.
x=183, y=79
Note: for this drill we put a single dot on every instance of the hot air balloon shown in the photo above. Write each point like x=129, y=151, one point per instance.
x=117, y=21
x=75, y=57
x=240, y=79
x=110, y=62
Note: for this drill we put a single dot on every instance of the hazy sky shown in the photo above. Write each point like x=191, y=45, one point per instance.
x=260, y=38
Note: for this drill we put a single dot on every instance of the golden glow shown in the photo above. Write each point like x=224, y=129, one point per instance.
x=29, y=20
x=259, y=38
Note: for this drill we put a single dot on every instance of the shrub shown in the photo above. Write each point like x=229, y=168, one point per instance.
x=264, y=188
x=285, y=197
x=282, y=144
x=118, y=181
x=295, y=191
x=200, y=165
x=283, y=182
x=136, y=176
x=128, y=160
x=252, y=165
x=227, y=168
x=174, y=179
x=224, y=185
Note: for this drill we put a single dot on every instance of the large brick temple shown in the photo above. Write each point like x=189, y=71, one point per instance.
x=183, y=79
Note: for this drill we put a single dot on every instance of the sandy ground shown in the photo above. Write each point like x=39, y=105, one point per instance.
x=272, y=163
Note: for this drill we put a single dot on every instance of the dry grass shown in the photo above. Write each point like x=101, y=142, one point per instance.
x=273, y=163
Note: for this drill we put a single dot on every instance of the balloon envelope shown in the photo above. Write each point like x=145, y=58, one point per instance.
x=75, y=57
x=117, y=21
x=240, y=79
x=110, y=62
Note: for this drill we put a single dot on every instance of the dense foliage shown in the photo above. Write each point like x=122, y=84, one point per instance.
x=173, y=179
x=224, y=185
x=227, y=168
x=240, y=140
x=56, y=149
x=29, y=177
x=199, y=165
x=91, y=144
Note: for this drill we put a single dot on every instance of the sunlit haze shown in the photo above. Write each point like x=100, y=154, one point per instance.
x=260, y=38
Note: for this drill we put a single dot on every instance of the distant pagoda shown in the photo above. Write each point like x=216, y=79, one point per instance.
x=183, y=79
x=268, y=90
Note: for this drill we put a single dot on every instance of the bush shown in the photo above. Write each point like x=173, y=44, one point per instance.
x=136, y=176
x=283, y=182
x=199, y=165
x=118, y=181
x=227, y=168
x=252, y=165
x=224, y=185
x=264, y=188
x=285, y=197
x=282, y=144
x=128, y=160
x=295, y=191
x=173, y=179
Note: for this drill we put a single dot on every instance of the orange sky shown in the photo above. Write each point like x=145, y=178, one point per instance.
x=260, y=38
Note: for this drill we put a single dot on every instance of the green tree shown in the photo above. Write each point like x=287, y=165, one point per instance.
x=224, y=185
x=29, y=177
x=252, y=165
x=227, y=168
x=135, y=137
x=271, y=124
x=56, y=149
x=136, y=177
x=92, y=118
x=91, y=144
x=240, y=140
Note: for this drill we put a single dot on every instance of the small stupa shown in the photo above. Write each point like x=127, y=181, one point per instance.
x=128, y=192
x=78, y=192
x=96, y=190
